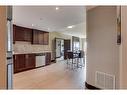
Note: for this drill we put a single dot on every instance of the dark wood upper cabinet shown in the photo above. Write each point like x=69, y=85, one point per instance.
x=30, y=35
x=40, y=37
x=35, y=38
x=14, y=35
x=45, y=38
x=18, y=33
x=22, y=34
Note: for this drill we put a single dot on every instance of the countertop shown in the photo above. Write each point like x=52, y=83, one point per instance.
x=30, y=52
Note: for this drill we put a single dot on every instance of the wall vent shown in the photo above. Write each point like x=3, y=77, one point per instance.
x=104, y=80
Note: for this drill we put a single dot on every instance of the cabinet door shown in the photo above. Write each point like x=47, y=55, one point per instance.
x=45, y=38
x=48, y=58
x=22, y=33
x=41, y=37
x=19, y=62
x=14, y=30
x=27, y=34
x=30, y=61
x=19, y=33
x=35, y=39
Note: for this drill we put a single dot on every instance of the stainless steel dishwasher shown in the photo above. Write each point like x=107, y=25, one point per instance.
x=40, y=60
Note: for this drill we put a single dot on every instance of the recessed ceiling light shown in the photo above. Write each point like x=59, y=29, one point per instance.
x=57, y=8
x=70, y=26
x=32, y=24
x=48, y=28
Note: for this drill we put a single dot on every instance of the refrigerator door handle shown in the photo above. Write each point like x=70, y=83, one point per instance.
x=9, y=35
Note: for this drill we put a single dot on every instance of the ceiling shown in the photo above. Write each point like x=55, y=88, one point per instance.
x=49, y=19
x=90, y=7
x=78, y=30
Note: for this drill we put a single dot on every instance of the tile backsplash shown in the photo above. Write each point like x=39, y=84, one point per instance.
x=26, y=47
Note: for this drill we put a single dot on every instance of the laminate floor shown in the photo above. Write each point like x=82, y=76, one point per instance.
x=54, y=76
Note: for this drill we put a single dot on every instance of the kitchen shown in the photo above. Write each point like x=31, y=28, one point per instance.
x=35, y=49
x=34, y=37
x=24, y=56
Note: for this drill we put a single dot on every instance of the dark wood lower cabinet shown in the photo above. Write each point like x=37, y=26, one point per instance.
x=24, y=62
x=30, y=61
x=48, y=58
x=19, y=63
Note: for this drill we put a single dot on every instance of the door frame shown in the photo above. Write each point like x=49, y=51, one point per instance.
x=55, y=47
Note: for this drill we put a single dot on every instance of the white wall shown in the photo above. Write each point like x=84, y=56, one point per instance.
x=102, y=48
x=82, y=44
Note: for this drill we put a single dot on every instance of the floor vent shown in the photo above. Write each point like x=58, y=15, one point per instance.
x=104, y=80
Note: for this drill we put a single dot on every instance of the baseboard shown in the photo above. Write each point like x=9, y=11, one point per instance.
x=88, y=86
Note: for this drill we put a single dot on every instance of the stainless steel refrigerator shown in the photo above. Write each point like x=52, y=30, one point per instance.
x=9, y=53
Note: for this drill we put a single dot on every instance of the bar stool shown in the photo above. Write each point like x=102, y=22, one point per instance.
x=82, y=58
x=71, y=59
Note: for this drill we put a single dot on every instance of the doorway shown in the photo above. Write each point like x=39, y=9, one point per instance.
x=61, y=47
x=59, y=44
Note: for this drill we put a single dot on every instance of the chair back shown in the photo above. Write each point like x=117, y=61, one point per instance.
x=70, y=55
x=81, y=54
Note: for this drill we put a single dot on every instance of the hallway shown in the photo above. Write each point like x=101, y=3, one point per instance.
x=55, y=76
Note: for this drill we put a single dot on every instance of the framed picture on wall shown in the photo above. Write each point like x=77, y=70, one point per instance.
x=119, y=25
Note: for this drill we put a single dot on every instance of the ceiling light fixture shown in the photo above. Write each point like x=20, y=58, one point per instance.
x=57, y=8
x=32, y=24
x=70, y=26
x=48, y=28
